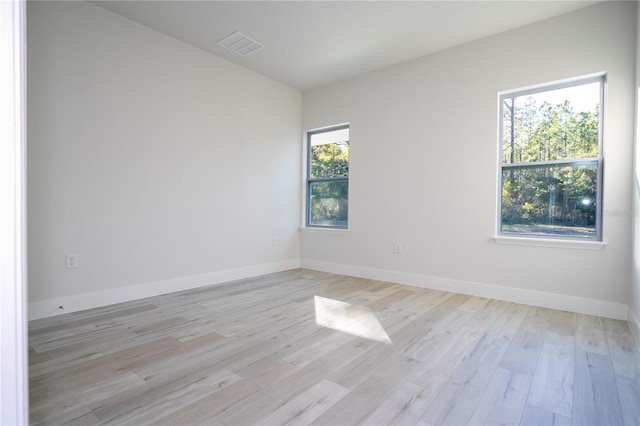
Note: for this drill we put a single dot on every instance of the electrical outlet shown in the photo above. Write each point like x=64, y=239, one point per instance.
x=72, y=261
x=397, y=248
x=274, y=241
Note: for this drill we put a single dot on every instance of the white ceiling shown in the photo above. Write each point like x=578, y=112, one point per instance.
x=312, y=43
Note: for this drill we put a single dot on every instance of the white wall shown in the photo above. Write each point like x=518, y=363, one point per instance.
x=164, y=167
x=634, y=294
x=160, y=165
x=424, y=166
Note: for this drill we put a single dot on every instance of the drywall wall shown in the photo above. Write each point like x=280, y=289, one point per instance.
x=423, y=168
x=159, y=165
x=634, y=212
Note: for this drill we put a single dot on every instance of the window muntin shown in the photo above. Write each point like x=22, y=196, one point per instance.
x=328, y=177
x=551, y=161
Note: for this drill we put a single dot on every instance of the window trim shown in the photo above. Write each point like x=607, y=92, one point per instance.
x=541, y=241
x=309, y=180
x=501, y=236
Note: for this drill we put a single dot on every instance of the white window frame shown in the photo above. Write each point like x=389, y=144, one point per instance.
x=554, y=240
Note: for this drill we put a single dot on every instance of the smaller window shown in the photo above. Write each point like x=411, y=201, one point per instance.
x=551, y=160
x=328, y=177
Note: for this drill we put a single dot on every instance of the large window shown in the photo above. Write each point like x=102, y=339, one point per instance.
x=328, y=177
x=551, y=162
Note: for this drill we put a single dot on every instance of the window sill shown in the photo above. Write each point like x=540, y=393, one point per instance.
x=548, y=242
x=334, y=231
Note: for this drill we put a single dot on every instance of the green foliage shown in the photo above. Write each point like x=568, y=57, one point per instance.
x=330, y=160
x=548, y=132
x=329, y=202
x=562, y=196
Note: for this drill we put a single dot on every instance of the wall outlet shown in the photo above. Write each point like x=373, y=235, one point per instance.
x=274, y=241
x=72, y=261
x=397, y=248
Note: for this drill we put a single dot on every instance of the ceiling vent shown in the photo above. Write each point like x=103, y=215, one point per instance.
x=240, y=44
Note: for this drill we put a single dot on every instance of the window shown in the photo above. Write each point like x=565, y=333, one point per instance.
x=551, y=161
x=328, y=177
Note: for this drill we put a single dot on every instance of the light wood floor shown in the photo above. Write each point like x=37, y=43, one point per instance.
x=304, y=347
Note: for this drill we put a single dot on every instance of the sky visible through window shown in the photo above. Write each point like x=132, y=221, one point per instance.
x=583, y=98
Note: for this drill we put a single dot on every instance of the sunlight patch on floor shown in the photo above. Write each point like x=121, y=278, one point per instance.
x=347, y=318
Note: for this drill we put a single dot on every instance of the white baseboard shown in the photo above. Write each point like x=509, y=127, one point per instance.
x=563, y=302
x=635, y=326
x=49, y=308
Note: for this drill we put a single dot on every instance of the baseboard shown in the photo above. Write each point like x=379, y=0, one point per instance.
x=581, y=305
x=48, y=308
x=80, y=302
x=634, y=324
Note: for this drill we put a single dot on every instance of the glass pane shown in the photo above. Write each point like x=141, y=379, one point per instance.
x=330, y=160
x=328, y=203
x=551, y=200
x=330, y=136
x=552, y=125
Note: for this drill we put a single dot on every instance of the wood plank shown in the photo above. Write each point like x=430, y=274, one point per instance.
x=70, y=403
x=357, y=405
x=226, y=353
x=162, y=399
x=80, y=416
x=104, y=368
x=361, y=368
x=629, y=393
x=591, y=335
x=316, y=345
x=81, y=352
x=456, y=401
x=523, y=352
x=595, y=395
x=308, y=405
x=254, y=378
x=624, y=352
x=391, y=301
x=265, y=400
x=426, y=331
x=552, y=385
x=445, y=354
x=504, y=400
x=474, y=304
x=403, y=406
x=536, y=416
